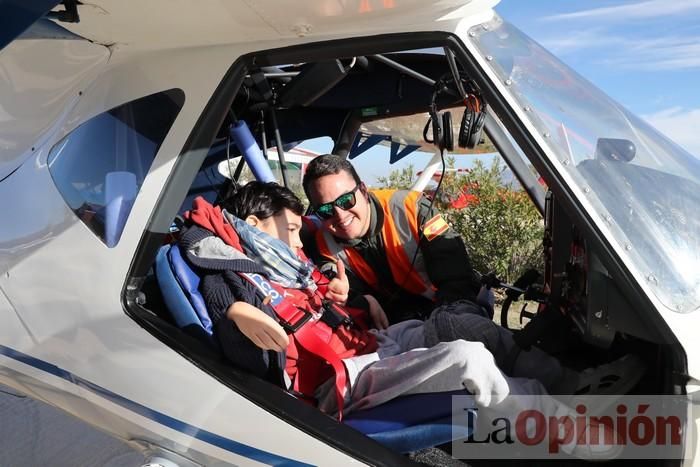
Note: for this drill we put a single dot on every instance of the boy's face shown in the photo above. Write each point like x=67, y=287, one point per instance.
x=348, y=223
x=285, y=226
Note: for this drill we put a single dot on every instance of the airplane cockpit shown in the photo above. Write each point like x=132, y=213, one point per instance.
x=123, y=124
x=282, y=98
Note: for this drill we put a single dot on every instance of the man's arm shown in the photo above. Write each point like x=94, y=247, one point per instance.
x=447, y=261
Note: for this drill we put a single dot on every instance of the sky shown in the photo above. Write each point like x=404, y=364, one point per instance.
x=644, y=54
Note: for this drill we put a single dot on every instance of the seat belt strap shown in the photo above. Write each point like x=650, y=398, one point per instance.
x=293, y=319
x=308, y=339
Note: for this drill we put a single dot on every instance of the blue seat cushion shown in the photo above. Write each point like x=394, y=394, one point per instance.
x=411, y=423
x=189, y=281
x=178, y=302
x=426, y=435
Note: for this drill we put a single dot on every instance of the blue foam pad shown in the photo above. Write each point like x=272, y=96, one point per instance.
x=425, y=435
x=403, y=412
x=189, y=281
x=411, y=423
x=175, y=298
x=177, y=301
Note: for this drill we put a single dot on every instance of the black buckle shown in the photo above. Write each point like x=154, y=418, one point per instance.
x=333, y=318
x=294, y=327
x=329, y=315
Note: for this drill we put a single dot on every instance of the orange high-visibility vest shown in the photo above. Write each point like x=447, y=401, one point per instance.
x=400, y=234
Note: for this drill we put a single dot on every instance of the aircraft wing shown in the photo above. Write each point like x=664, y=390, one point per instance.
x=408, y=131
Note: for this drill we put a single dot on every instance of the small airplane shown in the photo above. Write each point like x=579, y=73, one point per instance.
x=115, y=114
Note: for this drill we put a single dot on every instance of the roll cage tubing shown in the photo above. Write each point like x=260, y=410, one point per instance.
x=192, y=155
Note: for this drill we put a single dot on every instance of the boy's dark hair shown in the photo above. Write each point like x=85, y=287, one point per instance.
x=327, y=164
x=262, y=200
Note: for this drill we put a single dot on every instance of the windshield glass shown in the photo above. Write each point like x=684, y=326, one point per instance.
x=643, y=187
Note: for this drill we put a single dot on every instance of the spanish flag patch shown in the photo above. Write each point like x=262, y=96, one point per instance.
x=435, y=227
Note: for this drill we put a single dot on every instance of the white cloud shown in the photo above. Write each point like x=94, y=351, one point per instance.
x=681, y=125
x=662, y=53
x=573, y=41
x=621, y=13
x=647, y=54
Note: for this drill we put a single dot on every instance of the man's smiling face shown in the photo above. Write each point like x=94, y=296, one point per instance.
x=347, y=224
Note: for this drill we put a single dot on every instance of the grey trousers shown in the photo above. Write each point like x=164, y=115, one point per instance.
x=460, y=320
x=433, y=356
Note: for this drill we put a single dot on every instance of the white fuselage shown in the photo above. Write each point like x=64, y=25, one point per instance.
x=64, y=335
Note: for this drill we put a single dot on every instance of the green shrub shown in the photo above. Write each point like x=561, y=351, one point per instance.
x=400, y=179
x=499, y=224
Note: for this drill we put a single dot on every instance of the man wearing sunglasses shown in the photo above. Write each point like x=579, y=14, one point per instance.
x=400, y=256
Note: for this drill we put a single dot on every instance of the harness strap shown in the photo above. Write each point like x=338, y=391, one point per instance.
x=294, y=320
x=308, y=339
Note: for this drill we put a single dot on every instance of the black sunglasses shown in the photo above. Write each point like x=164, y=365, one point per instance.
x=345, y=201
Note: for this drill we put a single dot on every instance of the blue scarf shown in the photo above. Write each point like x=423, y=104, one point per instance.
x=280, y=262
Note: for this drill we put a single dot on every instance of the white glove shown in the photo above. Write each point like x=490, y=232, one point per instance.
x=483, y=378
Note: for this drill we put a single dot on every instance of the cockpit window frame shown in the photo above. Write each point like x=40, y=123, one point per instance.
x=190, y=160
x=182, y=175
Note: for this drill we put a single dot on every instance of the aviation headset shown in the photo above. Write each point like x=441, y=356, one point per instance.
x=470, y=128
x=442, y=129
x=472, y=124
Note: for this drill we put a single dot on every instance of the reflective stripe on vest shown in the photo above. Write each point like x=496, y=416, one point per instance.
x=400, y=233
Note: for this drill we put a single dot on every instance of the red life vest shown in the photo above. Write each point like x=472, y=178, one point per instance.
x=321, y=334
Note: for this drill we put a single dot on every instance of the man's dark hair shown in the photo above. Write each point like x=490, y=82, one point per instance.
x=327, y=164
x=262, y=200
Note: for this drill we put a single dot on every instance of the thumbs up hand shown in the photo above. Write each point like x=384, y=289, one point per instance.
x=339, y=286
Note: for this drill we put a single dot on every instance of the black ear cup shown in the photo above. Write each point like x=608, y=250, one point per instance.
x=447, y=141
x=475, y=132
x=465, y=127
x=436, y=120
x=472, y=124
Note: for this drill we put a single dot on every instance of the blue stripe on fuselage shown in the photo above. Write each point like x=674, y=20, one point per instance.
x=173, y=423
